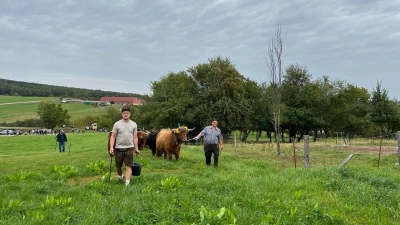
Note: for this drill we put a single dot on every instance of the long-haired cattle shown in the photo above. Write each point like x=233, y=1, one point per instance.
x=168, y=142
x=142, y=139
x=151, y=141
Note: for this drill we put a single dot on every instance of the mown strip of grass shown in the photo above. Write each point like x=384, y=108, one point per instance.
x=41, y=186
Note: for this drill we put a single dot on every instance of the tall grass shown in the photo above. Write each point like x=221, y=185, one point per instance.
x=251, y=186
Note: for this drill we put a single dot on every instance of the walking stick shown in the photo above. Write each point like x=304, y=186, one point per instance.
x=69, y=149
x=109, y=177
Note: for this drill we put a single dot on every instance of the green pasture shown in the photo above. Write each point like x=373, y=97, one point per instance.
x=252, y=185
x=13, y=99
x=23, y=109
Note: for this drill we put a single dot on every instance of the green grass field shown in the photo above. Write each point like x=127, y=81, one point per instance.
x=23, y=108
x=252, y=185
x=13, y=99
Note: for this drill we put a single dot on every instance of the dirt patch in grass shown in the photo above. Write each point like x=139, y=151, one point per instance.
x=371, y=150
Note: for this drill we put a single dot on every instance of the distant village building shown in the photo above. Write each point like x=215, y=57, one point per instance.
x=123, y=100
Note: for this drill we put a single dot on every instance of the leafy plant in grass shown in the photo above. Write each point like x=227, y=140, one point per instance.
x=62, y=201
x=13, y=204
x=37, y=215
x=17, y=177
x=223, y=216
x=64, y=171
x=23, y=176
x=170, y=183
x=98, y=167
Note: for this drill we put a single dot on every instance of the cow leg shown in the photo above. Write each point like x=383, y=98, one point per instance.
x=158, y=153
x=165, y=155
x=169, y=156
x=177, y=151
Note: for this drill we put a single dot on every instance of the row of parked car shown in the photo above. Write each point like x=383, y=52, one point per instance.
x=10, y=132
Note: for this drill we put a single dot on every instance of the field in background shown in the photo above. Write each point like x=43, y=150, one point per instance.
x=23, y=108
x=13, y=99
x=252, y=185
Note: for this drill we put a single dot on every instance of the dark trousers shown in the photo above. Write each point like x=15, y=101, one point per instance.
x=61, y=146
x=210, y=150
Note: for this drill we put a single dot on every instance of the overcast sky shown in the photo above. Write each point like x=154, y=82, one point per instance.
x=124, y=45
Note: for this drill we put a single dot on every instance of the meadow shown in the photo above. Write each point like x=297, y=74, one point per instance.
x=14, y=108
x=252, y=185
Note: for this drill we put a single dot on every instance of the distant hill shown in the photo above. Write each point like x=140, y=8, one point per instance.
x=20, y=88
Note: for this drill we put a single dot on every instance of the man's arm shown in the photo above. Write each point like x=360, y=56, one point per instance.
x=135, y=142
x=112, y=142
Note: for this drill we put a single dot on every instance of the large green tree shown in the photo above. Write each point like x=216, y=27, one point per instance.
x=383, y=111
x=296, y=87
x=52, y=115
x=349, y=109
x=171, y=103
x=221, y=94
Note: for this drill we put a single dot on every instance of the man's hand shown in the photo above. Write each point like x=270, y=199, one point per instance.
x=137, y=152
x=111, y=151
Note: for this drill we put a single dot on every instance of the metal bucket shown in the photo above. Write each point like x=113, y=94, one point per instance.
x=136, y=169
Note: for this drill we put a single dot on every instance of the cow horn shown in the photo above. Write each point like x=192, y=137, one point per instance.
x=192, y=129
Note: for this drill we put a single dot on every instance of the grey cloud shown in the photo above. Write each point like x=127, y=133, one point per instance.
x=136, y=42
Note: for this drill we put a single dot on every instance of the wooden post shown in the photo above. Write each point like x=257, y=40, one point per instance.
x=306, y=151
x=294, y=153
x=398, y=145
x=234, y=138
x=346, y=160
x=380, y=148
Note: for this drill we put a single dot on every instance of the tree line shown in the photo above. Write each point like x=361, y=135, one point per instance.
x=19, y=88
x=216, y=89
x=308, y=107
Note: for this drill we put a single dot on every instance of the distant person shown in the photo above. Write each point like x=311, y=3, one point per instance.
x=124, y=136
x=212, y=136
x=61, y=138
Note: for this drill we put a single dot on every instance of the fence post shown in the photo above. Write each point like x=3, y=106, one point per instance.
x=234, y=138
x=398, y=145
x=306, y=151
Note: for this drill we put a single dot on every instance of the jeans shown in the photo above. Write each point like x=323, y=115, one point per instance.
x=61, y=146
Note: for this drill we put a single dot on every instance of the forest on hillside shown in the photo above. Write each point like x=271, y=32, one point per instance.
x=20, y=88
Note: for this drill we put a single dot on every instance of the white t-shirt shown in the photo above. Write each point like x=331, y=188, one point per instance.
x=124, y=133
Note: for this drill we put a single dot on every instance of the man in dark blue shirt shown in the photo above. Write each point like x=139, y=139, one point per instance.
x=212, y=136
x=61, y=139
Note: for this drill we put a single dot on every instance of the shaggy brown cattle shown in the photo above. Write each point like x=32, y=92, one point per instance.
x=169, y=142
x=151, y=141
x=142, y=139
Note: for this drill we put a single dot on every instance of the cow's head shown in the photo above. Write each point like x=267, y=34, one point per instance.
x=181, y=133
x=142, y=139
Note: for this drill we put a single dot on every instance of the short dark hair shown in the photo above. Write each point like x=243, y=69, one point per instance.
x=126, y=108
x=214, y=119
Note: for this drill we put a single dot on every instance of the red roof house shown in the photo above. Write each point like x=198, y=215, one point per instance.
x=123, y=100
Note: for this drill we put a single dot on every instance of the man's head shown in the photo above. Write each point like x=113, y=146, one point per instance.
x=214, y=122
x=126, y=112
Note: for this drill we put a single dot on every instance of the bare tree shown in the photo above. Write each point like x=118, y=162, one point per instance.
x=274, y=63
